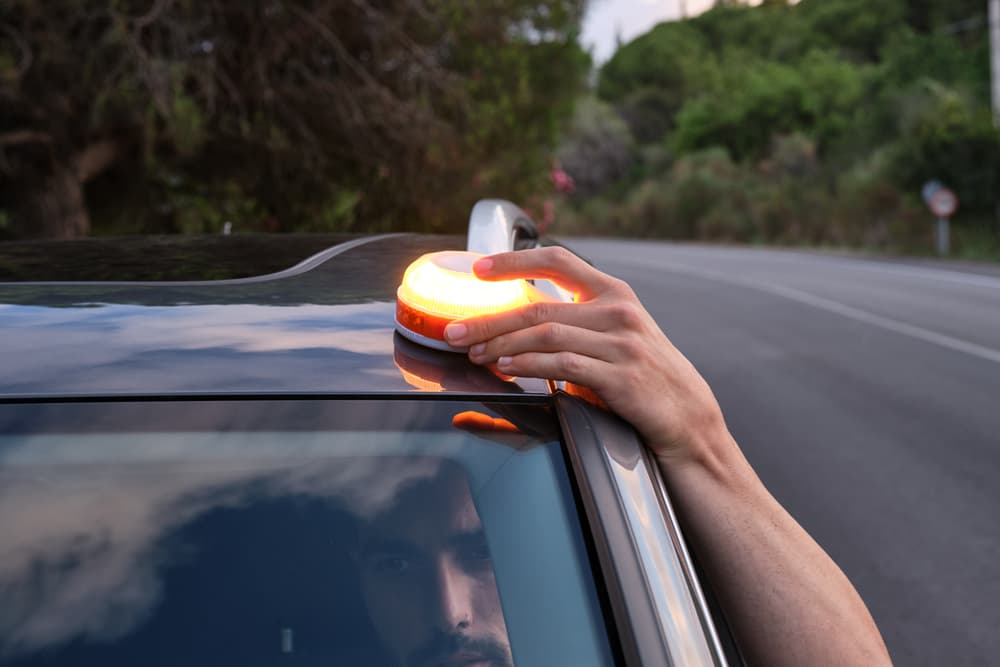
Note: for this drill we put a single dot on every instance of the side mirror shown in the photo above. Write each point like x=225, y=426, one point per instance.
x=496, y=225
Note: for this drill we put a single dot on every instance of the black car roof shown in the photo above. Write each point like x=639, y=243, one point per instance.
x=159, y=257
x=324, y=326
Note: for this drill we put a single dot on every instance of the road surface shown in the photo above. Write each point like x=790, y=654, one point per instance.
x=867, y=396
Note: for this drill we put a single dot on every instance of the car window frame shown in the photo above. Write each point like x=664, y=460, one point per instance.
x=598, y=442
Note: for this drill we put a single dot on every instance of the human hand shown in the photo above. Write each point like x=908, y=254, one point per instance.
x=605, y=341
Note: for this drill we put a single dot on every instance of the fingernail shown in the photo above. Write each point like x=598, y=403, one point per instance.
x=455, y=331
x=504, y=362
x=483, y=265
x=477, y=349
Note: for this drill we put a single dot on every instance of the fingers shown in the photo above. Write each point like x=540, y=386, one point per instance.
x=552, y=263
x=478, y=329
x=567, y=366
x=548, y=337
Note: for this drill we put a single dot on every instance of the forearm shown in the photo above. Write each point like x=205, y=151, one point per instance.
x=787, y=602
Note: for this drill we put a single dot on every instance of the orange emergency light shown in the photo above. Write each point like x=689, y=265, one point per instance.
x=440, y=287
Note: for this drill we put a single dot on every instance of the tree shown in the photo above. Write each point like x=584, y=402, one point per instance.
x=857, y=28
x=670, y=57
x=928, y=15
x=293, y=111
x=757, y=99
x=946, y=136
x=598, y=148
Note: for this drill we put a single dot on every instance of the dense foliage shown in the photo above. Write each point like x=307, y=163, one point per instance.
x=179, y=115
x=816, y=122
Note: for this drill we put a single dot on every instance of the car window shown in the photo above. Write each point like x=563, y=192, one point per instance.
x=307, y=532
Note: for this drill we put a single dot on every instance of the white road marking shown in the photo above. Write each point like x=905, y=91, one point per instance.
x=925, y=273
x=905, y=270
x=850, y=312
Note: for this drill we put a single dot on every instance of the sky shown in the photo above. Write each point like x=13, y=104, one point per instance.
x=630, y=18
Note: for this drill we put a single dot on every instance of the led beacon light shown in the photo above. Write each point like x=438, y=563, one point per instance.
x=439, y=288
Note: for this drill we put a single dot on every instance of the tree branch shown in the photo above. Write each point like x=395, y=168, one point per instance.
x=24, y=137
x=152, y=15
x=95, y=158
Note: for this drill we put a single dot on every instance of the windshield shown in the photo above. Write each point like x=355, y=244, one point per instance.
x=307, y=532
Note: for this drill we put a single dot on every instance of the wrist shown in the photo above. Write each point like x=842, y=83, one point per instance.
x=707, y=452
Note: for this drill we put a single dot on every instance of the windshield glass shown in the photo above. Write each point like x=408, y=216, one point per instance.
x=307, y=532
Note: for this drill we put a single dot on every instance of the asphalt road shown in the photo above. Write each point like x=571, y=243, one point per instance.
x=867, y=396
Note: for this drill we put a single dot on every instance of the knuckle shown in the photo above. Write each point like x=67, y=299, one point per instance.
x=616, y=313
x=632, y=317
x=481, y=329
x=496, y=346
x=626, y=315
x=540, y=313
x=560, y=256
x=568, y=365
x=551, y=334
x=622, y=288
x=520, y=315
x=630, y=348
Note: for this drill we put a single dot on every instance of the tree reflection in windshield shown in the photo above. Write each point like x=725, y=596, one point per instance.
x=238, y=559
x=357, y=532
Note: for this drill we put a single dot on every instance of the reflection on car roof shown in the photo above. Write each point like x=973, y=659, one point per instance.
x=328, y=329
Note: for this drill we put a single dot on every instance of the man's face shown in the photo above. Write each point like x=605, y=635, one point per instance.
x=428, y=579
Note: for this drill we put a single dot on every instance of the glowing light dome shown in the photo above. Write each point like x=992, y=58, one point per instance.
x=440, y=288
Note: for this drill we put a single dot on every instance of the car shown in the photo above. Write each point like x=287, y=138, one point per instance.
x=262, y=470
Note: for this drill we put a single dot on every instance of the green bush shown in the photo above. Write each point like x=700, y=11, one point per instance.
x=672, y=57
x=947, y=138
x=787, y=197
x=650, y=113
x=771, y=31
x=597, y=149
x=814, y=123
x=820, y=95
x=857, y=28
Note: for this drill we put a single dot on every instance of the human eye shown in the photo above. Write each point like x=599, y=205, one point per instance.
x=391, y=565
x=476, y=555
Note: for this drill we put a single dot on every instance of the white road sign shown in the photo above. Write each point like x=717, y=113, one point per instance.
x=943, y=203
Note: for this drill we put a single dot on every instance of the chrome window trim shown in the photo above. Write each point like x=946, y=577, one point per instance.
x=662, y=618
x=687, y=564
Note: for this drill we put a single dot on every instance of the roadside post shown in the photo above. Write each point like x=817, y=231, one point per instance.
x=994, y=19
x=943, y=203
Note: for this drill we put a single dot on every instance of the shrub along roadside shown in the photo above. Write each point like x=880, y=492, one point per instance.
x=786, y=198
x=814, y=123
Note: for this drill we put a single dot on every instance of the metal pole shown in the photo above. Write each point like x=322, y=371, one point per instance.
x=943, y=236
x=684, y=9
x=994, y=16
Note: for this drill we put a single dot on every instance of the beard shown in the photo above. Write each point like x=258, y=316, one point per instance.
x=440, y=649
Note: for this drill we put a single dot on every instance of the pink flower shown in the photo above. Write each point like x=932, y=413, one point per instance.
x=562, y=181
